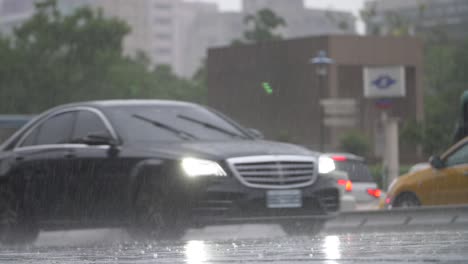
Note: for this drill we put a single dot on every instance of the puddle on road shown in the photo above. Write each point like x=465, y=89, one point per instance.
x=254, y=244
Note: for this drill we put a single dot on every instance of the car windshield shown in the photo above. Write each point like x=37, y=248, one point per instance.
x=168, y=123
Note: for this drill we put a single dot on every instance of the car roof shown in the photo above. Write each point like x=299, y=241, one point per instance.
x=132, y=102
x=100, y=105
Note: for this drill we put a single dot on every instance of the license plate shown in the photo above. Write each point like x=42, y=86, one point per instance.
x=284, y=199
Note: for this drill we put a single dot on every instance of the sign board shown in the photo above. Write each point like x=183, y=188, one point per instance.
x=340, y=121
x=384, y=82
x=338, y=106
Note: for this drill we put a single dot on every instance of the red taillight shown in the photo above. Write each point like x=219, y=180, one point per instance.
x=339, y=158
x=374, y=192
x=347, y=184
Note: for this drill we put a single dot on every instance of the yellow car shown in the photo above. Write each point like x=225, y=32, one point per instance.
x=444, y=183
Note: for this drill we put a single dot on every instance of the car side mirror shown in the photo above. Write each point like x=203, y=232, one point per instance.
x=436, y=162
x=96, y=139
x=256, y=133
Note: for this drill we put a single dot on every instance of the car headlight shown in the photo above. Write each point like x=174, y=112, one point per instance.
x=198, y=167
x=326, y=165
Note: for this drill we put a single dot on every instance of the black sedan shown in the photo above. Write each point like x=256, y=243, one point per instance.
x=155, y=167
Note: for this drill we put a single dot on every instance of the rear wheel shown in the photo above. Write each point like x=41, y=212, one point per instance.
x=406, y=200
x=155, y=216
x=15, y=226
x=301, y=228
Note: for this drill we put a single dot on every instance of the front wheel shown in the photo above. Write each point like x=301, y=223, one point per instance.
x=301, y=228
x=15, y=227
x=406, y=200
x=155, y=215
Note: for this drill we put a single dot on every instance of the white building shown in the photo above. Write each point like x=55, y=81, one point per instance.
x=14, y=12
x=205, y=27
x=178, y=33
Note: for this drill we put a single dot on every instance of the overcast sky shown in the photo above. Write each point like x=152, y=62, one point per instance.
x=346, y=5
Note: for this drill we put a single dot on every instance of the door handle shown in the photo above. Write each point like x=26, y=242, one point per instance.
x=19, y=158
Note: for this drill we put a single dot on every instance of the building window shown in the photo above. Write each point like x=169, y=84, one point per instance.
x=463, y=8
x=163, y=6
x=454, y=20
x=163, y=36
x=451, y=10
x=163, y=21
x=163, y=51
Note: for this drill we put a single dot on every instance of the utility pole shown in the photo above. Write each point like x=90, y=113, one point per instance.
x=391, y=150
x=321, y=62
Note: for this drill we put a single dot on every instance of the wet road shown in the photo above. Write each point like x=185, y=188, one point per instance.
x=244, y=244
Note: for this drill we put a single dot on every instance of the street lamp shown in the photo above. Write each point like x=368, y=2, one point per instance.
x=321, y=62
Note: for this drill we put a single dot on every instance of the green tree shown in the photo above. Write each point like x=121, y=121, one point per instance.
x=355, y=142
x=59, y=58
x=53, y=59
x=393, y=23
x=445, y=83
x=261, y=27
x=339, y=20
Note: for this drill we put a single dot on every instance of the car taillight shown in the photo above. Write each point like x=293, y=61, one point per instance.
x=347, y=184
x=339, y=158
x=374, y=192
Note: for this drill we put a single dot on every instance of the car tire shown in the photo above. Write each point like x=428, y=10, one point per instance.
x=16, y=228
x=406, y=200
x=301, y=228
x=154, y=216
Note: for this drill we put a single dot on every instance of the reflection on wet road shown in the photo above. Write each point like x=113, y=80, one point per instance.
x=112, y=246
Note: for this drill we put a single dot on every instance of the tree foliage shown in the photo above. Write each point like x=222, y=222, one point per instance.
x=262, y=27
x=53, y=59
x=356, y=143
x=445, y=83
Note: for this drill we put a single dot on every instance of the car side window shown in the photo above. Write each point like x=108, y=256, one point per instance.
x=460, y=156
x=31, y=139
x=88, y=122
x=55, y=130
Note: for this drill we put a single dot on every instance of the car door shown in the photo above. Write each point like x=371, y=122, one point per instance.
x=455, y=176
x=42, y=167
x=99, y=188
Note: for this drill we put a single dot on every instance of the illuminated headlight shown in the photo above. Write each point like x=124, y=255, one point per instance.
x=326, y=165
x=198, y=167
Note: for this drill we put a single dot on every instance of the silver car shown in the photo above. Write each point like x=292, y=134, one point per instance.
x=364, y=188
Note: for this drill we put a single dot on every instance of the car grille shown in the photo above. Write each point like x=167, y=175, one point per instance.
x=276, y=172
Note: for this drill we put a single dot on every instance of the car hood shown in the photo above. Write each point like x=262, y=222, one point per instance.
x=231, y=149
x=407, y=180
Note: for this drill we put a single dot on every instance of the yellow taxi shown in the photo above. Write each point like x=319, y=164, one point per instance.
x=445, y=182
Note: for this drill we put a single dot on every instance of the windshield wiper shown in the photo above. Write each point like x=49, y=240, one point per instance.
x=210, y=126
x=182, y=134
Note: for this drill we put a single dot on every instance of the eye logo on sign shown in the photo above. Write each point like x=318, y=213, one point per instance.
x=384, y=82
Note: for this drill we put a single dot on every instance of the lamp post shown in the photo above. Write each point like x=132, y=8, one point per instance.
x=321, y=62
